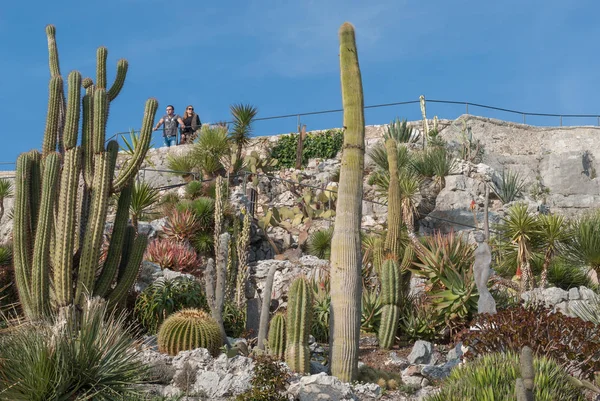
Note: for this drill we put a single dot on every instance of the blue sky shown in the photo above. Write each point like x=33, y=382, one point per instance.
x=282, y=57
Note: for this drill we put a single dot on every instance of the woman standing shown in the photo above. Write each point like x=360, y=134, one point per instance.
x=191, y=125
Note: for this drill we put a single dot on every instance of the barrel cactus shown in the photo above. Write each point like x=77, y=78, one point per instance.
x=189, y=329
x=62, y=195
x=277, y=336
x=299, y=314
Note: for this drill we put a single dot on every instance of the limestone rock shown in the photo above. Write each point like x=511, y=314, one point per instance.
x=421, y=352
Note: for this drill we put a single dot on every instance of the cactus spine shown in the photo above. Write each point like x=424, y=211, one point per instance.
x=189, y=329
x=277, y=336
x=346, y=266
x=49, y=221
x=299, y=321
x=391, y=279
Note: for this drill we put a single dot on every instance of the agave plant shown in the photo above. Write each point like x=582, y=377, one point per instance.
x=370, y=311
x=181, y=225
x=184, y=165
x=319, y=243
x=400, y=131
x=6, y=191
x=173, y=255
x=521, y=228
x=243, y=116
x=212, y=145
x=203, y=209
x=143, y=198
x=588, y=311
x=509, y=187
x=445, y=262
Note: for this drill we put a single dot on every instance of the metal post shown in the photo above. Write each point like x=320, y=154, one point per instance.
x=561, y=121
x=598, y=120
x=298, y=130
x=523, y=118
x=467, y=104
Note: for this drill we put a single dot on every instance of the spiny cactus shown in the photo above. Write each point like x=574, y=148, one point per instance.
x=277, y=336
x=189, y=329
x=216, y=286
x=242, y=254
x=299, y=316
x=390, y=301
x=346, y=284
x=266, y=307
x=58, y=225
x=219, y=209
x=524, y=385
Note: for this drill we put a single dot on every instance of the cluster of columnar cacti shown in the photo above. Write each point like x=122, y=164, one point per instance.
x=277, y=336
x=524, y=385
x=346, y=266
x=299, y=321
x=189, y=329
x=58, y=223
x=242, y=255
x=390, y=274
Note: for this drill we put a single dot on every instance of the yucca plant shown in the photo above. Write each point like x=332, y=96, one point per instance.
x=409, y=191
x=509, y=187
x=564, y=274
x=554, y=233
x=370, y=311
x=90, y=358
x=321, y=312
x=243, y=116
x=445, y=261
x=585, y=244
x=184, y=165
x=212, y=145
x=143, y=198
x=194, y=189
x=181, y=225
x=203, y=208
x=319, y=243
x=520, y=228
x=6, y=191
x=130, y=145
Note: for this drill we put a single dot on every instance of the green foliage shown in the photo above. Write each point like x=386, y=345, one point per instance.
x=203, y=208
x=173, y=255
x=588, y=311
x=321, y=312
x=445, y=262
x=130, y=145
x=319, y=243
x=143, y=198
x=573, y=343
x=400, y=132
x=243, y=116
x=471, y=150
x=84, y=360
x=167, y=202
x=386, y=380
x=203, y=243
x=212, y=145
x=189, y=329
x=371, y=311
x=234, y=320
x=509, y=187
x=8, y=291
x=163, y=298
x=565, y=275
x=183, y=164
x=493, y=377
x=585, y=245
x=194, y=189
x=323, y=145
x=433, y=162
x=416, y=321
x=269, y=381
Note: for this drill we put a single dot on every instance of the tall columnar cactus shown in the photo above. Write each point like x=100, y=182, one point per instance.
x=266, y=307
x=391, y=277
x=524, y=385
x=58, y=226
x=189, y=329
x=219, y=209
x=346, y=285
x=299, y=321
x=216, y=286
x=277, y=336
x=242, y=253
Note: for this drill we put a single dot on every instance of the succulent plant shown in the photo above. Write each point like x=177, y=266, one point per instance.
x=189, y=329
x=299, y=315
x=277, y=336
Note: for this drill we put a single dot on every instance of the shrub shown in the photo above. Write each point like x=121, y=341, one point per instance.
x=323, y=145
x=163, y=298
x=173, y=255
x=565, y=275
x=181, y=225
x=234, y=320
x=268, y=383
x=92, y=359
x=572, y=342
x=493, y=377
x=319, y=243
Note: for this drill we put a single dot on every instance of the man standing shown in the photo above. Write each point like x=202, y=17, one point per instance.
x=171, y=122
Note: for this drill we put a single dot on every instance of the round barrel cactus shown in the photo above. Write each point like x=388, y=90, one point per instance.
x=189, y=329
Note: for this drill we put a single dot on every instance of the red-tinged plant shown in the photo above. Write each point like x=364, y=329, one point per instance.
x=173, y=255
x=572, y=342
x=181, y=225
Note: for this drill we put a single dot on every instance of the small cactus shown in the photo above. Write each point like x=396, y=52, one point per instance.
x=277, y=336
x=189, y=329
x=390, y=300
x=297, y=354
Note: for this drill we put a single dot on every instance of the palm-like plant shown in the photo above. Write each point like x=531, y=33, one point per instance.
x=585, y=244
x=409, y=190
x=400, y=131
x=553, y=234
x=381, y=176
x=521, y=228
x=6, y=190
x=211, y=147
x=130, y=145
x=319, y=243
x=509, y=187
x=184, y=165
x=243, y=116
x=143, y=197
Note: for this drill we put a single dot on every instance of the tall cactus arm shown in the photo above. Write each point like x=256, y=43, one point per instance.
x=22, y=232
x=115, y=89
x=66, y=228
x=346, y=266
x=40, y=297
x=266, y=305
x=90, y=251
x=99, y=120
x=53, y=115
x=53, y=62
x=131, y=271
x=134, y=164
x=86, y=137
x=73, y=110
x=101, y=55
x=392, y=240
x=116, y=243
x=128, y=241
x=35, y=186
